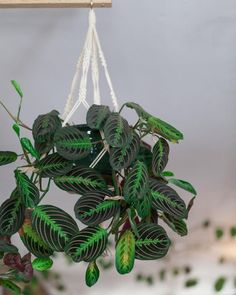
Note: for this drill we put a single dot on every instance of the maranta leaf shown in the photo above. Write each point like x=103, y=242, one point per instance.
x=91, y=209
x=28, y=191
x=166, y=199
x=7, y=157
x=44, y=128
x=97, y=115
x=27, y=145
x=88, y=244
x=92, y=274
x=164, y=129
x=139, y=110
x=136, y=183
x=143, y=206
x=177, y=225
x=54, y=226
x=72, y=144
x=125, y=252
x=81, y=180
x=6, y=247
x=42, y=264
x=152, y=243
x=184, y=185
x=33, y=242
x=11, y=216
x=53, y=165
x=10, y=287
x=117, y=131
x=121, y=158
x=17, y=87
x=160, y=156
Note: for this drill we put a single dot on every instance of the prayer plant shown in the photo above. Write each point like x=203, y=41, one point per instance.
x=119, y=184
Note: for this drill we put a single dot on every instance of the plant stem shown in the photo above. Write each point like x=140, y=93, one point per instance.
x=114, y=179
x=17, y=121
x=46, y=191
x=19, y=109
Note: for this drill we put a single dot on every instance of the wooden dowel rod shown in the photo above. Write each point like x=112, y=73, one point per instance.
x=53, y=3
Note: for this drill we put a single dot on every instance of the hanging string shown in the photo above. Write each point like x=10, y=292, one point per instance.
x=92, y=52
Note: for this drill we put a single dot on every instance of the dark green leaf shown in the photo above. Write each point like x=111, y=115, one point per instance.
x=191, y=283
x=33, y=241
x=97, y=115
x=219, y=233
x=160, y=156
x=152, y=243
x=88, y=244
x=177, y=225
x=7, y=158
x=136, y=183
x=233, y=231
x=44, y=128
x=17, y=88
x=219, y=284
x=11, y=216
x=117, y=131
x=10, y=287
x=143, y=206
x=166, y=199
x=5, y=247
x=91, y=209
x=28, y=191
x=92, y=274
x=53, y=165
x=145, y=155
x=54, y=226
x=80, y=180
x=121, y=158
x=27, y=145
x=184, y=185
x=72, y=144
x=125, y=252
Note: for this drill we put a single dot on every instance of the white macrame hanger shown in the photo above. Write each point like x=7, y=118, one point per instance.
x=89, y=57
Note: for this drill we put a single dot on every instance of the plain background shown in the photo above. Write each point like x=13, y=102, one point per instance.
x=177, y=59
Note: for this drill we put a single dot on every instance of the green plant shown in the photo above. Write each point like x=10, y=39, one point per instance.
x=128, y=187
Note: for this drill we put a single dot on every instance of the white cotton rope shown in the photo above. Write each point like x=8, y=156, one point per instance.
x=89, y=56
x=92, y=52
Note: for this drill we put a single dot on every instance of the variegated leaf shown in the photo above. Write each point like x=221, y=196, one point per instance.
x=72, y=144
x=117, y=131
x=160, y=156
x=54, y=226
x=97, y=115
x=80, y=180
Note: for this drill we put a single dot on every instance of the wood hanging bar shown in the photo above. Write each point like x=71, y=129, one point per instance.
x=53, y=3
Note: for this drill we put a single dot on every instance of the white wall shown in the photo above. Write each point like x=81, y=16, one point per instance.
x=175, y=57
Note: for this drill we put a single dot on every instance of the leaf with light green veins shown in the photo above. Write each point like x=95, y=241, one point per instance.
x=28, y=191
x=12, y=214
x=97, y=115
x=10, y=287
x=27, y=145
x=92, y=274
x=184, y=185
x=164, y=129
x=125, y=253
x=54, y=226
x=136, y=183
x=42, y=264
x=117, y=131
x=7, y=157
x=17, y=88
x=88, y=244
x=72, y=144
x=160, y=156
